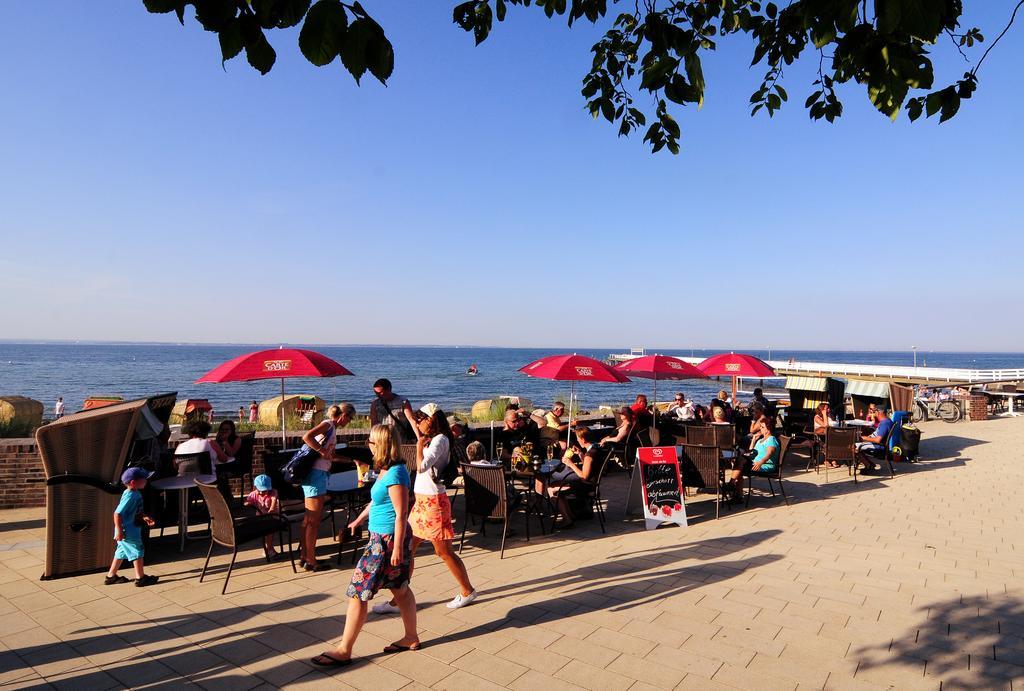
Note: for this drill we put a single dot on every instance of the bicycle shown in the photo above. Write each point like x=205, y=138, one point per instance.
x=949, y=410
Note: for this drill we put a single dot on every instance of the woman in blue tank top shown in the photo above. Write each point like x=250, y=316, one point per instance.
x=385, y=561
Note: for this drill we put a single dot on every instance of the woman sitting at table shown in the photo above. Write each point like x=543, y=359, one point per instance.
x=623, y=430
x=320, y=439
x=763, y=457
x=642, y=412
x=822, y=419
x=228, y=439
x=579, y=472
x=197, y=442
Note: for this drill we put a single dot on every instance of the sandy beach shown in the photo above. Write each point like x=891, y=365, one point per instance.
x=907, y=583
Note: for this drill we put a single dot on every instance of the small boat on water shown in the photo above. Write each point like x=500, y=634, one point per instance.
x=472, y=371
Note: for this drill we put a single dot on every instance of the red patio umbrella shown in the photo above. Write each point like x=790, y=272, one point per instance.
x=572, y=368
x=735, y=365
x=659, y=367
x=276, y=363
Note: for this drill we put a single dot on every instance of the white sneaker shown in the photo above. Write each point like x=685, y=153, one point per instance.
x=462, y=600
x=385, y=608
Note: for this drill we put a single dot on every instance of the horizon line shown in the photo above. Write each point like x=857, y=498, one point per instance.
x=650, y=351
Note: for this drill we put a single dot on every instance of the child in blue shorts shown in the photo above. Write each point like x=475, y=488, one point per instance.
x=127, y=532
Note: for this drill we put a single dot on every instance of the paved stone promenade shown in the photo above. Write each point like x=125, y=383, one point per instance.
x=908, y=583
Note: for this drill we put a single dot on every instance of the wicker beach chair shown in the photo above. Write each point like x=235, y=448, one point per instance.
x=228, y=531
x=83, y=455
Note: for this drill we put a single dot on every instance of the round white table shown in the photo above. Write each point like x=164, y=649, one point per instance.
x=182, y=483
x=1009, y=395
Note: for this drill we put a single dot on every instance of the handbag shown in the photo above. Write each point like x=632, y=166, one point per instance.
x=298, y=466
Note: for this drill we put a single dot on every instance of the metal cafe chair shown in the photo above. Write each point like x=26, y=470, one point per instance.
x=231, y=532
x=776, y=474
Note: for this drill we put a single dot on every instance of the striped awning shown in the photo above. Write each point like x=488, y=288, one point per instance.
x=806, y=383
x=861, y=387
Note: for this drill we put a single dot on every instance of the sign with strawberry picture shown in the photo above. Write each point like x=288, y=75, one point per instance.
x=662, y=486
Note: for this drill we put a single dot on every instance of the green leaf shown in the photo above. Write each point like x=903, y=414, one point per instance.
x=380, y=57
x=922, y=19
x=781, y=92
x=279, y=14
x=811, y=99
x=163, y=6
x=291, y=12
x=258, y=52
x=914, y=109
x=214, y=15
x=482, y=25
x=323, y=32
x=366, y=47
x=231, y=41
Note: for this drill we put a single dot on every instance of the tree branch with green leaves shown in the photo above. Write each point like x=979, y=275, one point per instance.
x=658, y=47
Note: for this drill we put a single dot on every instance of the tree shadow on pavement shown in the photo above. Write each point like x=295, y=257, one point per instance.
x=622, y=583
x=967, y=642
x=193, y=646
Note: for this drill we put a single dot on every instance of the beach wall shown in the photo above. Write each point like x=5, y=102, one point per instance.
x=22, y=480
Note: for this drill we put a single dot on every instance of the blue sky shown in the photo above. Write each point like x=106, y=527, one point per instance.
x=147, y=194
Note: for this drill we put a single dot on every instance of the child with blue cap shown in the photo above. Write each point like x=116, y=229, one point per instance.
x=263, y=498
x=127, y=530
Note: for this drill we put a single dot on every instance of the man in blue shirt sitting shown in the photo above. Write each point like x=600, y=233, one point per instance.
x=873, y=443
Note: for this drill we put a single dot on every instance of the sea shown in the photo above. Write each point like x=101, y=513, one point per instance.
x=423, y=373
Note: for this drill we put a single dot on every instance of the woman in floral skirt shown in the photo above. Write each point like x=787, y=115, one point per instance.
x=385, y=561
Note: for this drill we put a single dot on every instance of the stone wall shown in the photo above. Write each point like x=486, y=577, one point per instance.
x=22, y=480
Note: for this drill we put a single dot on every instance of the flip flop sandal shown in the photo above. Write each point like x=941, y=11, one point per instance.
x=399, y=648
x=325, y=660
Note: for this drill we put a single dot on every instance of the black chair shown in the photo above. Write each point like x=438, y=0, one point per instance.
x=231, y=532
x=776, y=474
x=593, y=489
x=885, y=454
x=701, y=468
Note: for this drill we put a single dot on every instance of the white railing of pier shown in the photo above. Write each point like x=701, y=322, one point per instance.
x=896, y=372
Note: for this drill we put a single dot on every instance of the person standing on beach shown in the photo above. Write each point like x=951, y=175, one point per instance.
x=58, y=408
x=254, y=411
x=388, y=408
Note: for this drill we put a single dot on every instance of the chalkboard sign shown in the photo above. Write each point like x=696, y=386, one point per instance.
x=662, y=486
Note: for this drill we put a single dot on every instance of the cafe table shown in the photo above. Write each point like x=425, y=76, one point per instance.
x=182, y=484
x=347, y=487
x=536, y=502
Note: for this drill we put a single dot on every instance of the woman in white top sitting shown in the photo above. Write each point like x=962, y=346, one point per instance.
x=320, y=439
x=197, y=442
x=431, y=515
